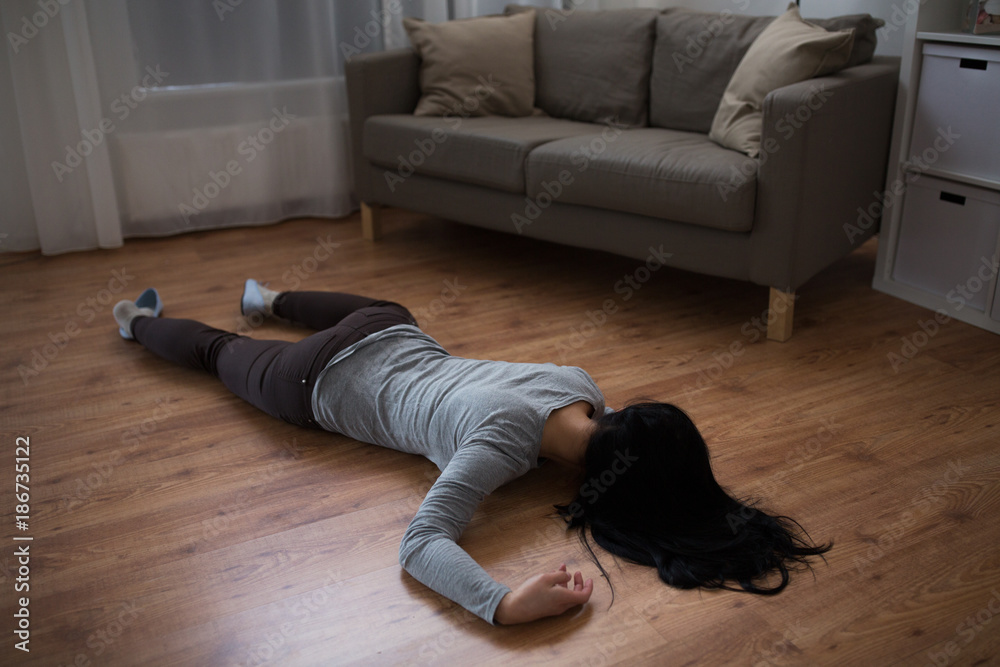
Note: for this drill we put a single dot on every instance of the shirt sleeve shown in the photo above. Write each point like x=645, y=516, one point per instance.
x=429, y=550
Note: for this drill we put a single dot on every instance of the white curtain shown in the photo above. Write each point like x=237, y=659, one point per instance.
x=436, y=11
x=153, y=117
x=123, y=118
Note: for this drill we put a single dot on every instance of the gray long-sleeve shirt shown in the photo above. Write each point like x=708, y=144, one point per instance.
x=479, y=421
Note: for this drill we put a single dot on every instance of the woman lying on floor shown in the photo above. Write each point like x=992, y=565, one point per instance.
x=372, y=375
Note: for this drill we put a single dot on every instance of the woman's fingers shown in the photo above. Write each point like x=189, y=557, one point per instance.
x=562, y=578
x=579, y=593
x=576, y=596
x=558, y=578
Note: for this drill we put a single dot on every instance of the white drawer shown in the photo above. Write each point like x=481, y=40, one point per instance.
x=948, y=240
x=960, y=91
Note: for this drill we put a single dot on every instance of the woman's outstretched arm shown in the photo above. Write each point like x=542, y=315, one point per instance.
x=429, y=551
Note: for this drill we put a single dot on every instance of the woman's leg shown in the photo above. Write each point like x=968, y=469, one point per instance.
x=275, y=376
x=238, y=361
x=319, y=310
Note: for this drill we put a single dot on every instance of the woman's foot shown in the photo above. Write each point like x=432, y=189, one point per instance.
x=257, y=299
x=148, y=304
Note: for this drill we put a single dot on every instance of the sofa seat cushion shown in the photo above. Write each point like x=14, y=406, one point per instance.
x=679, y=176
x=489, y=151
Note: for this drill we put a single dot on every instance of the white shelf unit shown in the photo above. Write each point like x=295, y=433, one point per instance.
x=940, y=239
x=955, y=37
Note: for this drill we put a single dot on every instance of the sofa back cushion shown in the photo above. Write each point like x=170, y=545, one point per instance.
x=697, y=52
x=475, y=67
x=695, y=56
x=594, y=66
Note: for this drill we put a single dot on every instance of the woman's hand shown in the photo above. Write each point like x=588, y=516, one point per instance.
x=542, y=595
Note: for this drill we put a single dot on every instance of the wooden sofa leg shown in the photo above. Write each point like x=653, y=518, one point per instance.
x=371, y=221
x=781, y=310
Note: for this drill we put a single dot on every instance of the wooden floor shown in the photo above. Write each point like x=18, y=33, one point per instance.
x=174, y=525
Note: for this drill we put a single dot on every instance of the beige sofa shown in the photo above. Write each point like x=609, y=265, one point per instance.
x=619, y=158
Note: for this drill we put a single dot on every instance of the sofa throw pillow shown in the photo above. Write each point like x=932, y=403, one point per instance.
x=697, y=52
x=865, y=34
x=483, y=66
x=593, y=66
x=789, y=50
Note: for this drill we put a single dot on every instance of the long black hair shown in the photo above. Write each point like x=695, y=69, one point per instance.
x=649, y=496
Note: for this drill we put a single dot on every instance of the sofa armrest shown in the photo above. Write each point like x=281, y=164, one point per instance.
x=824, y=148
x=378, y=83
